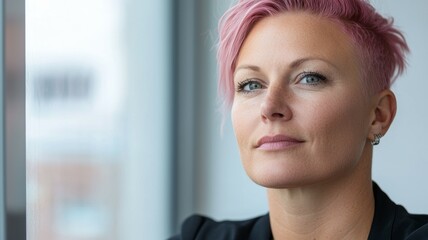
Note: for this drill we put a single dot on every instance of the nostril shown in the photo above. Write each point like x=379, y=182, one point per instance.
x=277, y=115
x=275, y=110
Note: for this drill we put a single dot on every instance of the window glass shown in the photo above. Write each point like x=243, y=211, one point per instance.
x=83, y=180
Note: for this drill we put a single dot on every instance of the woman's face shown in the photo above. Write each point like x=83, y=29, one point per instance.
x=299, y=113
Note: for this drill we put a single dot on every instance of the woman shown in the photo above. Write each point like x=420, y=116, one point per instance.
x=308, y=83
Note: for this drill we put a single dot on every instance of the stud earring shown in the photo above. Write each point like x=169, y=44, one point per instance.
x=376, y=139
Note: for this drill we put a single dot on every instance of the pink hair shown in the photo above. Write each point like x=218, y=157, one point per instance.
x=382, y=47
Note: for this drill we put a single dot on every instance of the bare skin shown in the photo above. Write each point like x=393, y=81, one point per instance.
x=304, y=124
x=341, y=209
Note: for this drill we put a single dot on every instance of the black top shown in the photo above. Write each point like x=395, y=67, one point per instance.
x=391, y=221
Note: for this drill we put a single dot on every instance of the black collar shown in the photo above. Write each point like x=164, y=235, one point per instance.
x=390, y=221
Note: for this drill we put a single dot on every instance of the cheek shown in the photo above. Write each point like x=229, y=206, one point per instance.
x=245, y=118
x=245, y=121
x=240, y=122
x=339, y=127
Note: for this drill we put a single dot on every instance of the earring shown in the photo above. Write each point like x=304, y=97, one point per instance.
x=376, y=139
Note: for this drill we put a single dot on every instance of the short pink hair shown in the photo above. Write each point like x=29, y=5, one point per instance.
x=382, y=47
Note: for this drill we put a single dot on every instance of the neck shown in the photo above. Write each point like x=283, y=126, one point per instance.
x=337, y=209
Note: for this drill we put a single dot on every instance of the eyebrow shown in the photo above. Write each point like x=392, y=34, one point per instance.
x=296, y=63
x=300, y=61
x=249, y=67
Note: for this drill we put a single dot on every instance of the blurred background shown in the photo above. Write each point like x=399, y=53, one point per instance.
x=124, y=136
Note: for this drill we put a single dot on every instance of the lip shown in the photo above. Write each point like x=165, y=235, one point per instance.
x=277, y=142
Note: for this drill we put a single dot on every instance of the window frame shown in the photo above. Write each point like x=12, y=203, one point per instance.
x=13, y=181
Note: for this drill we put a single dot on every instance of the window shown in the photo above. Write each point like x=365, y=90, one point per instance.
x=98, y=126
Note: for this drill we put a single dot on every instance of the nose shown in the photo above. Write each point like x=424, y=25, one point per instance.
x=275, y=107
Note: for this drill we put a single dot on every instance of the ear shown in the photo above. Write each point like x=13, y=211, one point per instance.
x=385, y=107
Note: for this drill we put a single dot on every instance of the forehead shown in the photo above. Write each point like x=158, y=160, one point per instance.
x=294, y=35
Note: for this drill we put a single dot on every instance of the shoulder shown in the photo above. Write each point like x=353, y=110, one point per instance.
x=410, y=226
x=201, y=227
x=392, y=221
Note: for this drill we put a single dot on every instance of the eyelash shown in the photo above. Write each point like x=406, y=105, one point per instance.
x=243, y=84
x=322, y=79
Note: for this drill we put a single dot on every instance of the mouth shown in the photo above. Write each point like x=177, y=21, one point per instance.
x=277, y=142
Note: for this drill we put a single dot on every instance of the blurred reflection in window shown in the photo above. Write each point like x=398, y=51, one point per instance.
x=78, y=143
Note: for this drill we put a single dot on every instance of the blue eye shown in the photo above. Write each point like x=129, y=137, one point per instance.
x=312, y=78
x=249, y=86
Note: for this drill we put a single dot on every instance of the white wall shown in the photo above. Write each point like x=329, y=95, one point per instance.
x=400, y=161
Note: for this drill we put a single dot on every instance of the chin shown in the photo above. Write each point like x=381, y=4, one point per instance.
x=293, y=170
x=278, y=184
x=281, y=176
